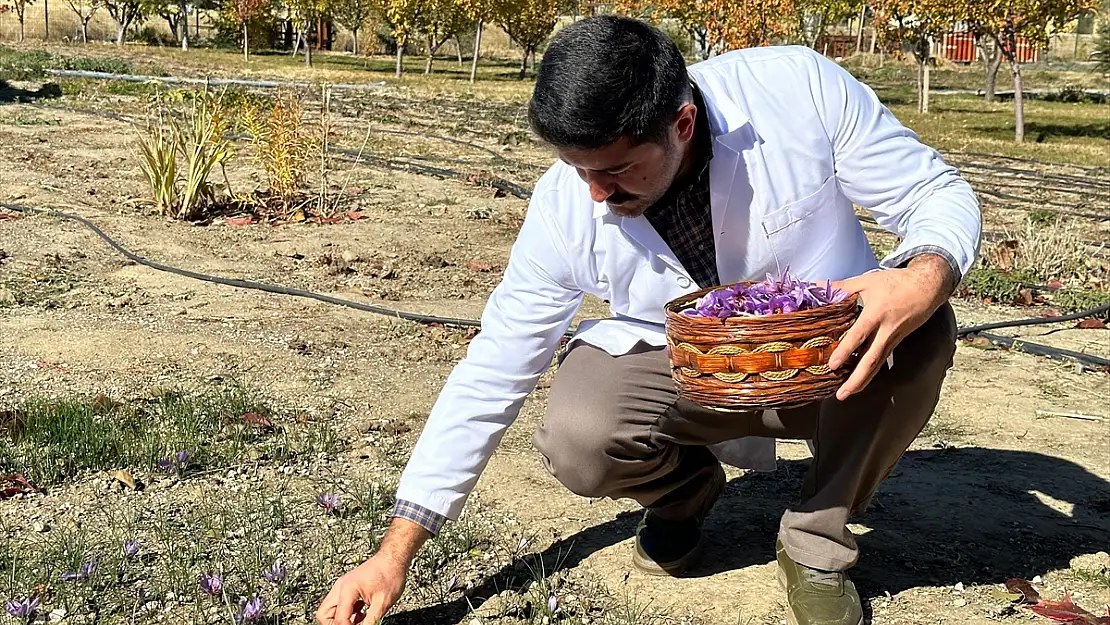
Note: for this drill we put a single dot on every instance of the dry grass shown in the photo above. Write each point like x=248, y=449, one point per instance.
x=1050, y=251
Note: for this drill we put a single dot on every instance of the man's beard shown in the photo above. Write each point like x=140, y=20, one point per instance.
x=624, y=204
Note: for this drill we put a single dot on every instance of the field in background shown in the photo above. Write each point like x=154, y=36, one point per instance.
x=281, y=403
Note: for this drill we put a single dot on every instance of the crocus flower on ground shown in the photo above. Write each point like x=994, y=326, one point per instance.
x=85, y=572
x=211, y=584
x=330, y=502
x=131, y=548
x=23, y=609
x=251, y=610
x=769, y=297
x=276, y=573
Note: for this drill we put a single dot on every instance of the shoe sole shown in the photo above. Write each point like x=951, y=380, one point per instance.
x=669, y=569
x=791, y=619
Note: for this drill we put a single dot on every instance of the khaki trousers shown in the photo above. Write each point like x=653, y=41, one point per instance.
x=615, y=427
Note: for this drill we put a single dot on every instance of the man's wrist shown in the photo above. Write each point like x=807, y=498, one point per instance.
x=935, y=271
x=403, y=540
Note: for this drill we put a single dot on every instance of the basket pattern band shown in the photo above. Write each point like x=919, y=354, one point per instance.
x=775, y=361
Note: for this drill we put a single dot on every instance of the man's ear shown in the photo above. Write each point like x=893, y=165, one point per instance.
x=686, y=121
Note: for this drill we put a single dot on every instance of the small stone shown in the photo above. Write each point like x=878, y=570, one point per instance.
x=57, y=614
x=959, y=587
x=119, y=302
x=349, y=257
x=7, y=298
x=1037, y=579
x=39, y=527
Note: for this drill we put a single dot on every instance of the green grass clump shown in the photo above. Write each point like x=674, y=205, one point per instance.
x=998, y=286
x=32, y=64
x=51, y=440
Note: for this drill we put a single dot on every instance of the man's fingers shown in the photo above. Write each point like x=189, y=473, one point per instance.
x=375, y=610
x=360, y=616
x=325, y=615
x=868, y=366
x=349, y=597
x=855, y=336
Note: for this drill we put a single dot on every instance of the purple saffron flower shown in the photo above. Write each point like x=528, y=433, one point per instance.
x=181, y=457
x=83, y=574
x=211, y=584
x=251, y=610
x=277, y=573
x=330, y=502
x=131, y=548
x=24, y=608
x=552, y=604
x=166, y=465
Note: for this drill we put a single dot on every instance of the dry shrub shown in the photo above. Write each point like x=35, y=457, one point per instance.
x=1049, y=251
x=283, y=142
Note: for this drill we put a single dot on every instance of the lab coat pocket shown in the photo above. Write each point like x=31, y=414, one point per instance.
x=802, y=232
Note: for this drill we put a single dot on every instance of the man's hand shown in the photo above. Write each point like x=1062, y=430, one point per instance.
x=895, y=303
x=377, y=584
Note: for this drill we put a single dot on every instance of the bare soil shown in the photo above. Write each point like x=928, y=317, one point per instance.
x=991, y=490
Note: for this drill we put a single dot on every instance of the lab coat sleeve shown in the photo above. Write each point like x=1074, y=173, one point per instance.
x=522, y=324
x=883, y=167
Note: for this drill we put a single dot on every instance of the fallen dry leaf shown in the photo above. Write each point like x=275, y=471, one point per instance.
x=124, y=478
x=477, y=266
x=10, y=216
x=1055, y=284
x=299, y=216
x=103, y=403
x=1023, y=588
x=1067, y=612
x=239, y=221
x=1091, y=324
x=14, y=422
x=355, y=215
x=981, y=343
x=1004, y=254
x=257, y=419
x=328, y=221
x=1024, y=298
x=15, y=484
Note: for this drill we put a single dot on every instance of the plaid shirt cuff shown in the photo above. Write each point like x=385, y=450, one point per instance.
x=431, y=521
x=902, y=259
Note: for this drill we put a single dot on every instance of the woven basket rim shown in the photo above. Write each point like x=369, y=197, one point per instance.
x=673, y=309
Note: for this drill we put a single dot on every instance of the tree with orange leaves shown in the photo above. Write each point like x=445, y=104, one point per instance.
x=720, y=25
x=913, y=24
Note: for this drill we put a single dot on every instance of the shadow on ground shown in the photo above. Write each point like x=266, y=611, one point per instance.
x=972, y=515
x=10, y=93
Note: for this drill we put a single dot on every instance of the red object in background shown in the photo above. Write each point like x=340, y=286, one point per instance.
x=959, y=47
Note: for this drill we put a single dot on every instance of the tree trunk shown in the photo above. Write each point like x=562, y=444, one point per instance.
x=196, y=33
x=523, y=64
x=458, y=49
x=477, y=49
x=817, y=32
x=84, y=31
x=859, y=35
x=183, y=20
x=246, y=43
x=431, y=52
x=925, y=89
x=307, y=49
x=991, y=64
x=297, y=43
x=22, y=30
x=45, y=20
x=1019, y=103
x=354, y=41
x=400, y=58
x=121, y=30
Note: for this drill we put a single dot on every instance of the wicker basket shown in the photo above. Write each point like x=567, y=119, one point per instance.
x=757, y=363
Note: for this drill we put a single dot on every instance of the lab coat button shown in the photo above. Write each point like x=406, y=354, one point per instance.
x=683, y=282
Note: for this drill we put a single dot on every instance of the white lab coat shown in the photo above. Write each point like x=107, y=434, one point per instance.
x=796, y=141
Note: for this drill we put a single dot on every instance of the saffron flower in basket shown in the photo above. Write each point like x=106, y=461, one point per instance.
x=769, y=297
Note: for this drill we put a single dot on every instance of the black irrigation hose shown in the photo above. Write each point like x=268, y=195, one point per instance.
x=1002, y=341
x=1098, y=310
x=246, y=284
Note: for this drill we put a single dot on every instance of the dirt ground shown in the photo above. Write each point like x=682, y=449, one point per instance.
x=991, y=490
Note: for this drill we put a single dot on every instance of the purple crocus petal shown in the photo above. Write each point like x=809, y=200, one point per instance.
x=552, y=604
x=182, y=457
x=70, y=576
x=251, y=610
x=23, y=609
x=211, y=584
x=330, y=502
x=131, y=548
x=277, y=573
x=88, y=569
x=165, y=465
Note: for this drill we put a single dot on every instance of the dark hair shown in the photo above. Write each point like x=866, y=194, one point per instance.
x=607, y=77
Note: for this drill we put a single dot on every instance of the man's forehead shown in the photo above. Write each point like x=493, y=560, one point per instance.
x=617, y=155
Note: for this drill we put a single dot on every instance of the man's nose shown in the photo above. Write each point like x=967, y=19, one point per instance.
x=601, y=186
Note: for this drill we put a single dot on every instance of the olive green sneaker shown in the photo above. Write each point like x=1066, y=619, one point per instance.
x=817, y=597
x=666, y=547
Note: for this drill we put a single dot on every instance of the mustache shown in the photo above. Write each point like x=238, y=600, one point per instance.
x=621, y=197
